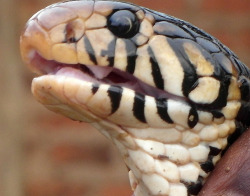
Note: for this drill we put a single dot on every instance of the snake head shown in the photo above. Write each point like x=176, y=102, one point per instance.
x=166, y=93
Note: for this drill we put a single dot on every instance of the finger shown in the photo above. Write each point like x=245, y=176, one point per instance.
x=231, y=177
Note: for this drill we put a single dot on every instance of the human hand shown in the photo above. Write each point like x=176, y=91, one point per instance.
x=231, y=176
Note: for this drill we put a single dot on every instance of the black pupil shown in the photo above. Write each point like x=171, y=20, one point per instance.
x=123, y=24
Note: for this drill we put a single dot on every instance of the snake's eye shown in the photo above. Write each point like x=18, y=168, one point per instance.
x=123, y=24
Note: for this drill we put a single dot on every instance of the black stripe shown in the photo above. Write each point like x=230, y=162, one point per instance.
x=138, y=107
x=194, y=188
x=110, y=53
x=156, y=72
x=115, y=94
x=221, y=100
x=244, y=88
x=217, y=114
x=207, y=166
x=192, y=117
x=90, y=50
x=95, y=88
x=243, y=115
x=162, y=109
x=214, y=151
x=190, y=77
x=131, y=56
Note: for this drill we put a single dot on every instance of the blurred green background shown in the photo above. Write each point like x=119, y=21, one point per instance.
x=43, y=154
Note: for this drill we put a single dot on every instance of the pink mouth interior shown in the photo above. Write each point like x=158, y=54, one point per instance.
x=97, y=75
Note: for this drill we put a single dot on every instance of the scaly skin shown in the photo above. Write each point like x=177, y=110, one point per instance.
x=168, y=95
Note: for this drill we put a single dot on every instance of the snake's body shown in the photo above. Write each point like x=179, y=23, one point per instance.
x=167, y=94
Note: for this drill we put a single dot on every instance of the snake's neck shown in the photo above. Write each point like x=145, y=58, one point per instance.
x=167, y=162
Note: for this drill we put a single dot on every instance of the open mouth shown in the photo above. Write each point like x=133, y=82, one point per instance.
x=96, y=75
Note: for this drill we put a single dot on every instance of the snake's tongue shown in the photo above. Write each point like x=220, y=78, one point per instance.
x=74, y=73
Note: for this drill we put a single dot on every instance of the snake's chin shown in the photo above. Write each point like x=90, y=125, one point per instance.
x=95, y=74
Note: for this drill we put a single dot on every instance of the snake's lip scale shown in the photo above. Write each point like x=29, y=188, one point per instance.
x=94, y=74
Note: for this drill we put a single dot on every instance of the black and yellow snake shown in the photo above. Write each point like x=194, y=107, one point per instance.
x=168, y=95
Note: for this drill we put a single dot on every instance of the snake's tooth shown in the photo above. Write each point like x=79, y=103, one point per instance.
x=115, y=94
